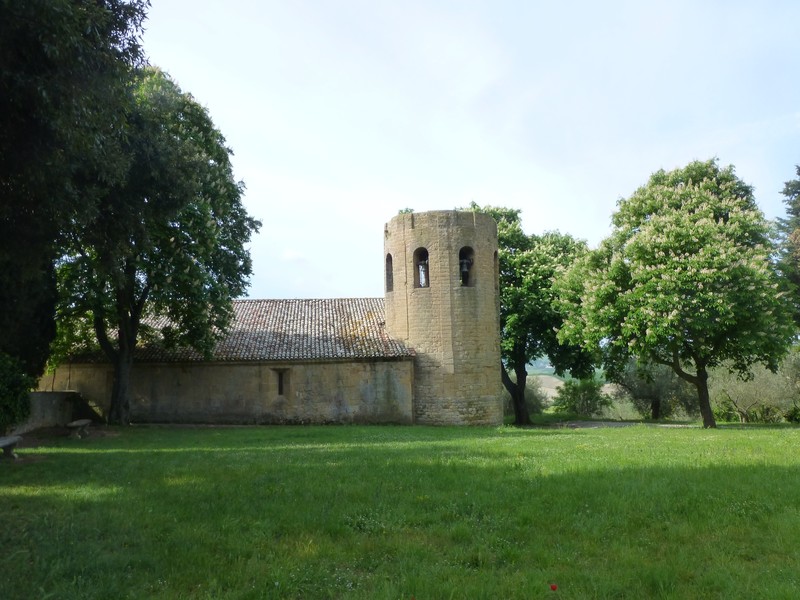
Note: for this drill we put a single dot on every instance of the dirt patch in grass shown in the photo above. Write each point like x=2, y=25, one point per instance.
x=592, y=424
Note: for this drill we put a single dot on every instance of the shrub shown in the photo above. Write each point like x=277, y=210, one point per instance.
x=535, y=398
x=724, y=410
x=583, y=397
x=793, y=414
x=15, y=387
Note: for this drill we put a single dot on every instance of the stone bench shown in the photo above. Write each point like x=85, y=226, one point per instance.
x=8, y=443
x=79, y=429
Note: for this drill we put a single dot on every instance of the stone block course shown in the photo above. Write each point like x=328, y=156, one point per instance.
x=454, y=329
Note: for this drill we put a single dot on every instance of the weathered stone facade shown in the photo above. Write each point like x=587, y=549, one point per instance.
x=266, y=392
x=427, y=353
x=49, y=409
x=442, y=300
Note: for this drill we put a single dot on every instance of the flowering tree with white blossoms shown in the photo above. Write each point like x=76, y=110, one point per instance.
x=685, y=279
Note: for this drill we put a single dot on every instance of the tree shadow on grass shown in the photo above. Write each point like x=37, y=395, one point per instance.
x=396, y=512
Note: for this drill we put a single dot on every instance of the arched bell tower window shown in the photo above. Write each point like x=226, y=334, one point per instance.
x=421, y=271
x=466, y=262
x=389, y=274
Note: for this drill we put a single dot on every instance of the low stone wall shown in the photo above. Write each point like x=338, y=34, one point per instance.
x=332, y=392
x=49, y=409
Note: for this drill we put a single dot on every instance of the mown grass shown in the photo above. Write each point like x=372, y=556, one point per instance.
x=402, y=512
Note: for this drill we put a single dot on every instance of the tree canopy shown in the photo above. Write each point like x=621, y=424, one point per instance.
x=529, y=318
x=65, y=66
x=169, y=241
x=684, y=280
x=789, y=234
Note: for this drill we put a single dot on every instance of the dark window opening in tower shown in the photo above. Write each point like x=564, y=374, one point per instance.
x=466, y=260
x=389, y=274
x=421, y=272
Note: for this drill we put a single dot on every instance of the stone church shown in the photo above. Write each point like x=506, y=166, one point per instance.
x=428, y=352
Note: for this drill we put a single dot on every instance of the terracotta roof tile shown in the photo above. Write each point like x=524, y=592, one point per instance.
x=298, y=330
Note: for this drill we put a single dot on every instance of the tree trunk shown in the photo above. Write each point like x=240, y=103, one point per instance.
x=699, y=381
x=517, y=392
x=120, y=410
x=703, y=396
x=655, y=409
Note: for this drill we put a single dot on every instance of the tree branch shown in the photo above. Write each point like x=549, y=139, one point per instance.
x=510, y=386
x=102, y=336
x=675, y=365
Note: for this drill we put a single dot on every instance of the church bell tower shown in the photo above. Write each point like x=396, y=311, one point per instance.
x=442, y=299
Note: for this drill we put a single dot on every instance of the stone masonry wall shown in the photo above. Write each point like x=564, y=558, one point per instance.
x=453, y=328
x=48, y=409
x=334, y=392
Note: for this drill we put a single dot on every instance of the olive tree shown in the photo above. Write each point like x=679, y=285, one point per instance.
x=684, y=280
x=655, y=390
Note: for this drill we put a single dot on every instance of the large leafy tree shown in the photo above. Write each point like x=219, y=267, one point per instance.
x=685, y=280
x=789, y=235
x=529, y=318
x=65, y=65
x=168, y=242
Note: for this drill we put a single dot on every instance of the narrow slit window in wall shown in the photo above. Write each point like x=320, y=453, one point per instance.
x=283, y=381
x=466, y=260
x=389, y=274
x=421, y=268
x=496, y=272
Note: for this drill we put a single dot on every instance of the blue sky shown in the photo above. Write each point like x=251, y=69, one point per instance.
x=340, y=113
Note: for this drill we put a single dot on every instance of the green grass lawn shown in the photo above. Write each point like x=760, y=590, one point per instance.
x=404, y=512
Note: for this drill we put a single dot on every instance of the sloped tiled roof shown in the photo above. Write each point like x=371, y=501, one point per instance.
x=297, y=330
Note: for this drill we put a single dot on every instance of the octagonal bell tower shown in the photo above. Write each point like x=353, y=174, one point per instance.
x=442, y=299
